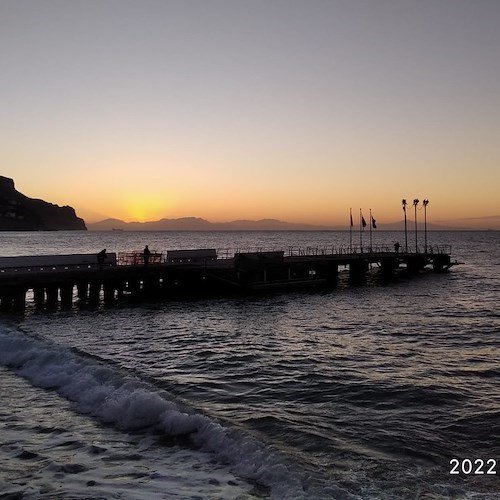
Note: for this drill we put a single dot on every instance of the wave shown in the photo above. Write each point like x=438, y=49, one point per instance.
x=129, y=403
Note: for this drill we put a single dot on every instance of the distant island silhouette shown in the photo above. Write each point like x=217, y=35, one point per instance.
x=199, y=224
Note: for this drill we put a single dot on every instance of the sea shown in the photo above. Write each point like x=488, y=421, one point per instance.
x=381, y=390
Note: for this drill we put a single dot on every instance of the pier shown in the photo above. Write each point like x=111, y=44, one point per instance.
x=60, y=281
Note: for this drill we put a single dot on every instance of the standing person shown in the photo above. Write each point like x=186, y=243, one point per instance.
x=101, y=256
x=396, y=246
x=146, y=253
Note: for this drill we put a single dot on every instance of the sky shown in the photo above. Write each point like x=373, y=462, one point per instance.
x=251, y=109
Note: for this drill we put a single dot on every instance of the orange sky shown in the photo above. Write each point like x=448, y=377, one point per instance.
x=226, y=110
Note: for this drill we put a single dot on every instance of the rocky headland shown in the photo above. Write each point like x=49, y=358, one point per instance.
x=20, y=213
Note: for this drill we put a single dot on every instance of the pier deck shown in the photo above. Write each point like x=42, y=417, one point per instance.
x=52, y=281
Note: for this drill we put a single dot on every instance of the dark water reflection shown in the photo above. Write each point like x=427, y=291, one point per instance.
x=376, y=388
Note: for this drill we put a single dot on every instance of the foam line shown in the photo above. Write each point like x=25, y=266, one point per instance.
x=129, y=404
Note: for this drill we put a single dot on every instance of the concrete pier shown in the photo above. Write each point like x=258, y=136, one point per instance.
x=200, y=273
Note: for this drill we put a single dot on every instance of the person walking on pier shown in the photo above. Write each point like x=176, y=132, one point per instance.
x=146, y=253
x=396, y=246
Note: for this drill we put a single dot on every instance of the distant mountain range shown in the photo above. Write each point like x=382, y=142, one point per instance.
x=199, y=224
x=20, y=213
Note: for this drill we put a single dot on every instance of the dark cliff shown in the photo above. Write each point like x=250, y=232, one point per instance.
x=20, y=213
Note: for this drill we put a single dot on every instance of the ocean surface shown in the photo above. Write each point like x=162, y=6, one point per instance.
x=380, y=391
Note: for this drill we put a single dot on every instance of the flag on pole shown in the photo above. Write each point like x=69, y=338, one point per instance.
x=352, y=223
x=363, y=222
x=374, y=225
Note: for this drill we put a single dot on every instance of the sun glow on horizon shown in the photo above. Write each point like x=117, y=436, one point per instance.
x=143, y=113
x=144, y=207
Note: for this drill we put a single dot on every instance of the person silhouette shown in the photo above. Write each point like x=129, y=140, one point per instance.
x=396, y=246
x=101, y=256
x=146, y=253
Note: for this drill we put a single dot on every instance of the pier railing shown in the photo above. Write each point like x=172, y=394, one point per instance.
x=291, y=251
x=49, y=280
x=137, y=258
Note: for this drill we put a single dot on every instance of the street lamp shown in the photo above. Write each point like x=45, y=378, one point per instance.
x=415, y=203
x=425, y=203
x=403, y=201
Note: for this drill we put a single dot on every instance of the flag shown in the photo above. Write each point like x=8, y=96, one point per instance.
x=363, y=222
x=374, y=225
x=352, y=223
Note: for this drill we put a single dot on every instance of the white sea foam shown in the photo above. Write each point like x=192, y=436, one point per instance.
x=129, y=404
x=47, y=450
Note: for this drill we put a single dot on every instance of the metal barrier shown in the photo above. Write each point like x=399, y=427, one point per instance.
x=36, y=263
x=136, y=258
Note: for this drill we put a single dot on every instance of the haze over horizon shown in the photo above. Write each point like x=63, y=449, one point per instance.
x=197, y=223
x=225, y=110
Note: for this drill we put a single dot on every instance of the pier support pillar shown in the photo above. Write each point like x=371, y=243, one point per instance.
x=52, y=296
x=134, y=287
x=39, y=296
x=19, y=299
x=67, y=295
x=82, y=290
x=6, y=301
x=109, y=293
x=95, y=292
x=440, y=263
x=332, y=273
x=147, y=287
x=358, y=270
x=387, y=267
x=415, y=264
x=120, y=288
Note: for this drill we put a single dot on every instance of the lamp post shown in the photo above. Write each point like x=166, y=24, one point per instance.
x=415, y=203
x=425, y=203
x=406, y=227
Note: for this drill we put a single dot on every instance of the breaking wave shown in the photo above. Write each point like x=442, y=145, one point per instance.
x=128, y=403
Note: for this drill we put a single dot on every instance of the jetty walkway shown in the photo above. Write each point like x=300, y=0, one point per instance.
x=51, y=281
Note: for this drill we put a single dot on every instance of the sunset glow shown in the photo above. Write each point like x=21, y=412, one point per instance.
x=145, y=110
x=143, y=207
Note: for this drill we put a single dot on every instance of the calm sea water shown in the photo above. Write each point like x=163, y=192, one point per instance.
x=376, y=391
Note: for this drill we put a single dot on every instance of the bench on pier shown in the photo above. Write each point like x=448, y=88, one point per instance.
x=195, y=256
x=46, y=262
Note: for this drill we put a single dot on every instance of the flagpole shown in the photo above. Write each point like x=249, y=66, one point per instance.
x=406, y=226
x=425, y=202
x=415, y=203
x=350, y=230
x=360, y=230
x=371, y=224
